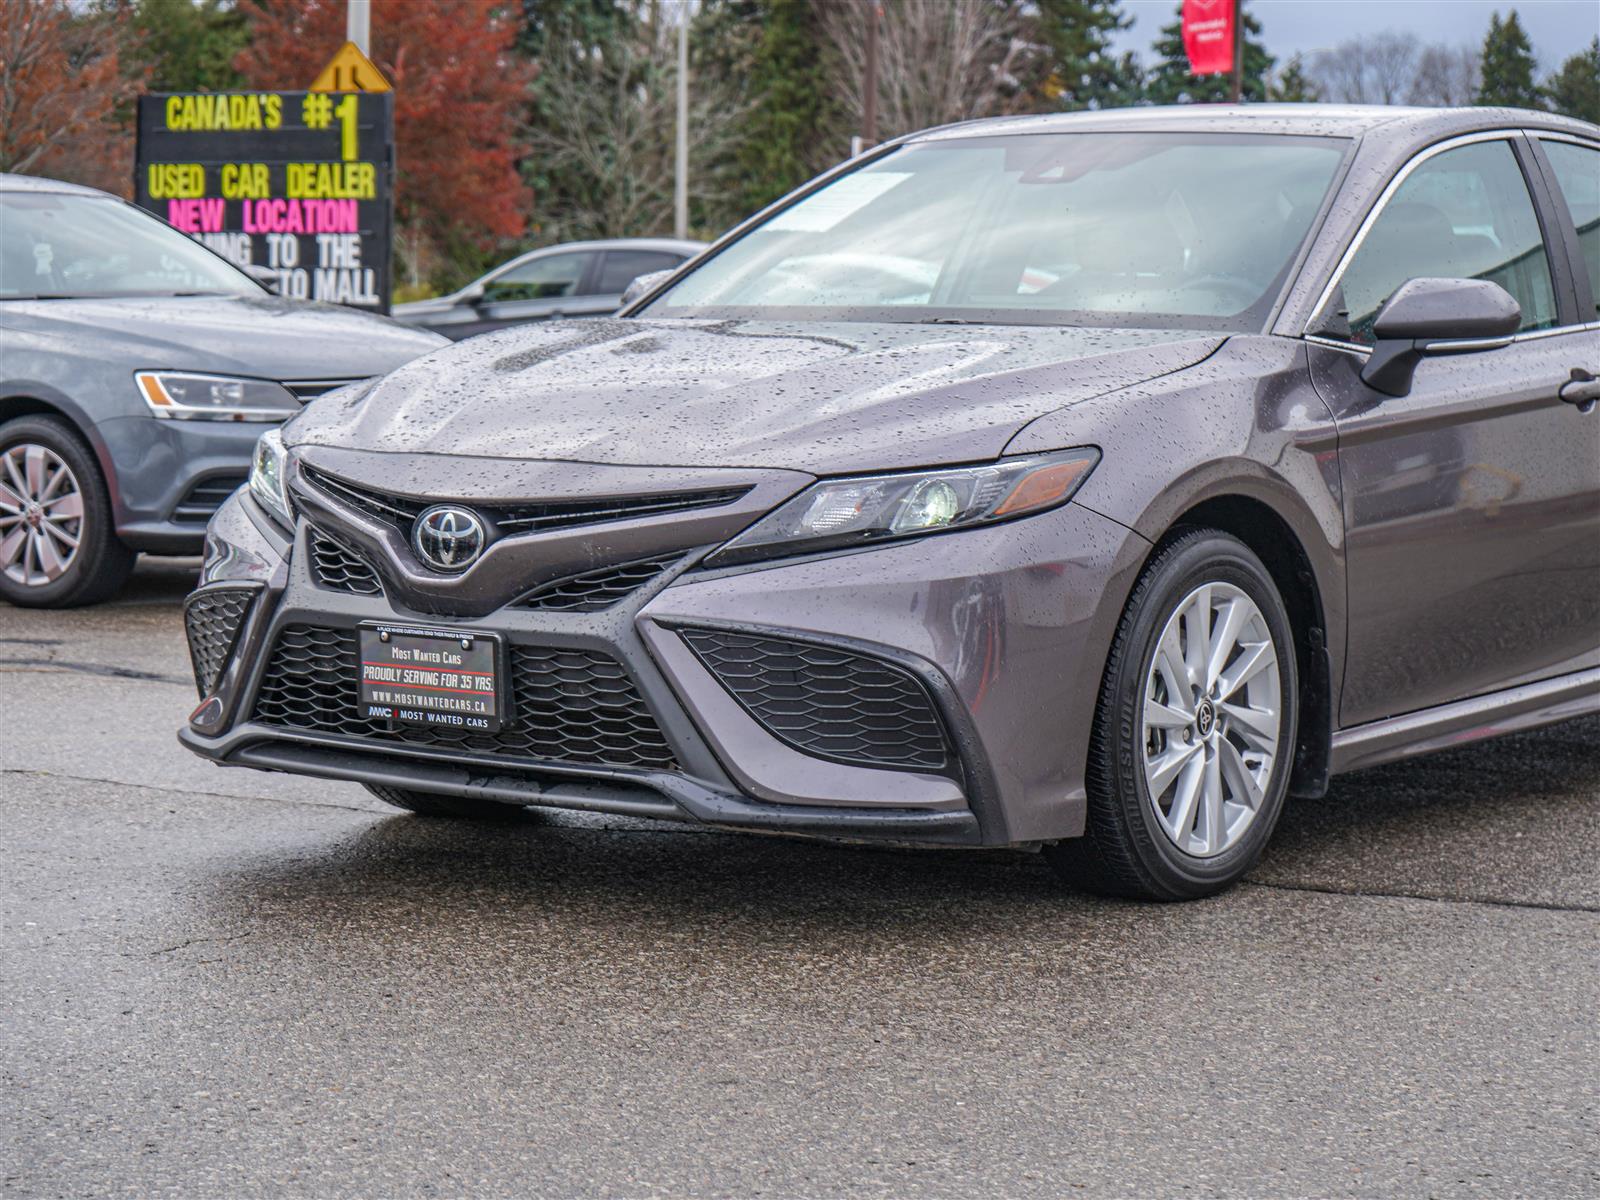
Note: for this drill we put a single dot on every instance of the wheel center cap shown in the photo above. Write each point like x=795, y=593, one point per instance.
x=33, y=515
x=1205, y=718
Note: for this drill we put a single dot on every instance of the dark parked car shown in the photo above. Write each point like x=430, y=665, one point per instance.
x=137, y=370
x=579, y=279
x=1091, y=482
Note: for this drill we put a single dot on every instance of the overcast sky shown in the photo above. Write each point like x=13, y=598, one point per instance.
x=1557, y=28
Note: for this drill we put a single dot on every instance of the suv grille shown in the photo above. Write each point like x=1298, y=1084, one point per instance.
x=827, y=702
x=567, y=705
x=340, y=569
x=401, y=511
x=599, y=589
x=212, y=620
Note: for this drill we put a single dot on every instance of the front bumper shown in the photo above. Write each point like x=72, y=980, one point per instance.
x=1004, y=629
x=167, y=478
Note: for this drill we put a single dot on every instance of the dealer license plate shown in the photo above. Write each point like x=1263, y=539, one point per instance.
x=431, y=677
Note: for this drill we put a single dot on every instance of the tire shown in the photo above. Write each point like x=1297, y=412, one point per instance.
x=431, y=804
x=1207, y=825
x=43, y=459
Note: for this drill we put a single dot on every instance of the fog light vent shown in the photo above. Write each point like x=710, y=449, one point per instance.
x=826, y=701
x=212, y=620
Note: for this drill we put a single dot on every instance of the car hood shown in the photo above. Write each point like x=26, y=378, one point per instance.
x=265, y=337
x=824, y=398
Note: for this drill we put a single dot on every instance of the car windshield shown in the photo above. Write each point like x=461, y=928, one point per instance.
x=1145, y=229
x=58, y=245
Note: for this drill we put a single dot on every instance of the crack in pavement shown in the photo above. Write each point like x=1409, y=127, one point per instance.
x=1543, y=905
x=232, y=937
x=47, y=666
x=172, y=791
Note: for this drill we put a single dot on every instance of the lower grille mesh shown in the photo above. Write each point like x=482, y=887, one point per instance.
x=826, y=701
x=212, y=620
x=567, y=705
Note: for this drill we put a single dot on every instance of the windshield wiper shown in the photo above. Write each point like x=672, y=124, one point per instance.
x=947, y=321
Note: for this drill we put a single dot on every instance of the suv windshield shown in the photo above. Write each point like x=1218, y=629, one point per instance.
x=1145, y=229
x=59, y=245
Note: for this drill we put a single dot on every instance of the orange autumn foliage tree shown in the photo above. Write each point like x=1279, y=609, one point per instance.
x=61, y=85
x=460, y=99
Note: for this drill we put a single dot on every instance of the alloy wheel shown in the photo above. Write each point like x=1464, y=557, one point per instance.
x=41, y=515
x=1210, y=719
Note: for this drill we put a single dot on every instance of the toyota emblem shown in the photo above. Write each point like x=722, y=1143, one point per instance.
x=449, y=538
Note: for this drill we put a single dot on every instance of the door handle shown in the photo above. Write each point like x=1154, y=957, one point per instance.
x=1583, y=390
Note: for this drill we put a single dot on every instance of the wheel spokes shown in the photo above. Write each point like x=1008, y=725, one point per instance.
x=1241, y=782
x=1163, y=716
x=65, y=508
x=1210, y=718
x=1163, y=769
x=1179, y=819
x=1226, y=640
x=1211, y=807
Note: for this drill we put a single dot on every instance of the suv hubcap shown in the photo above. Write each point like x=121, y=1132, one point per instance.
x=1210, y=721
x=41, y=515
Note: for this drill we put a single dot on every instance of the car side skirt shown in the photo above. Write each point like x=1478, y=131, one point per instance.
x=1466, y=721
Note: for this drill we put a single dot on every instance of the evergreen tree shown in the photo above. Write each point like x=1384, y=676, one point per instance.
x=791, y=111
x=1170, y=81
x=1291, y=85
x=1083, y=71
x=1575, y=89
x=191, y=44
x=1508, y=65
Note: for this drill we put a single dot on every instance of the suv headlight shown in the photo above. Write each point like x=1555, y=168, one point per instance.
x=839, y=513
x=267, y=476
x=183, y=396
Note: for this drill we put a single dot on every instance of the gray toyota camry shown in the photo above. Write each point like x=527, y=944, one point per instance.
x=1091, y=483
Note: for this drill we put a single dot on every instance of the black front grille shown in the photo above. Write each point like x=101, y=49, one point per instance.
x=827, y=702
x=575, y=706
x=212, y=620
x=341, y=569
x=309, y=389
x=205, y=497
x=533, y=517
x=599, y=589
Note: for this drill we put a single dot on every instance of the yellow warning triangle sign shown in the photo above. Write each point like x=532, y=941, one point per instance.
x=350, y=71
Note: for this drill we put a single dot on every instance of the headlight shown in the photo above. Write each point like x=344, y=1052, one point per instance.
x=266, y=476
x=839, y=513
x=178, y=396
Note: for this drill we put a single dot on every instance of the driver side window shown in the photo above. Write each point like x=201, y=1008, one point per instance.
x=541, y=279
x=1462, y=214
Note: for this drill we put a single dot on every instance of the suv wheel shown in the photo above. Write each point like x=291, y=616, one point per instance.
x=57, y=544
x=1193, y=740
x=431, y=804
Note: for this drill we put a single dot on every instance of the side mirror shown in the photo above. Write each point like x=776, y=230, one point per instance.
x=643, y=285
x=471, y=294
x=1436, y=316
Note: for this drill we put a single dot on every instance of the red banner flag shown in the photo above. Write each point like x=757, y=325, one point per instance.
x=1208, y=35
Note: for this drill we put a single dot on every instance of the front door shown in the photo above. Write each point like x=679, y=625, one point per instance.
x=1472, y=505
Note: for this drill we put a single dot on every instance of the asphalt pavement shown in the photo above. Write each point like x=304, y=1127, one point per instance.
x=217, y=982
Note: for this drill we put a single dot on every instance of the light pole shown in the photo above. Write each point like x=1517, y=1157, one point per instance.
x=358, y=24
x=680, y=188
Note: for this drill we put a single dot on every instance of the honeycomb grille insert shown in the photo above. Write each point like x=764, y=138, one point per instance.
x=340, y=569
x=827, y=702
x=212, y=621
x=575, y=706
x=596, y=590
